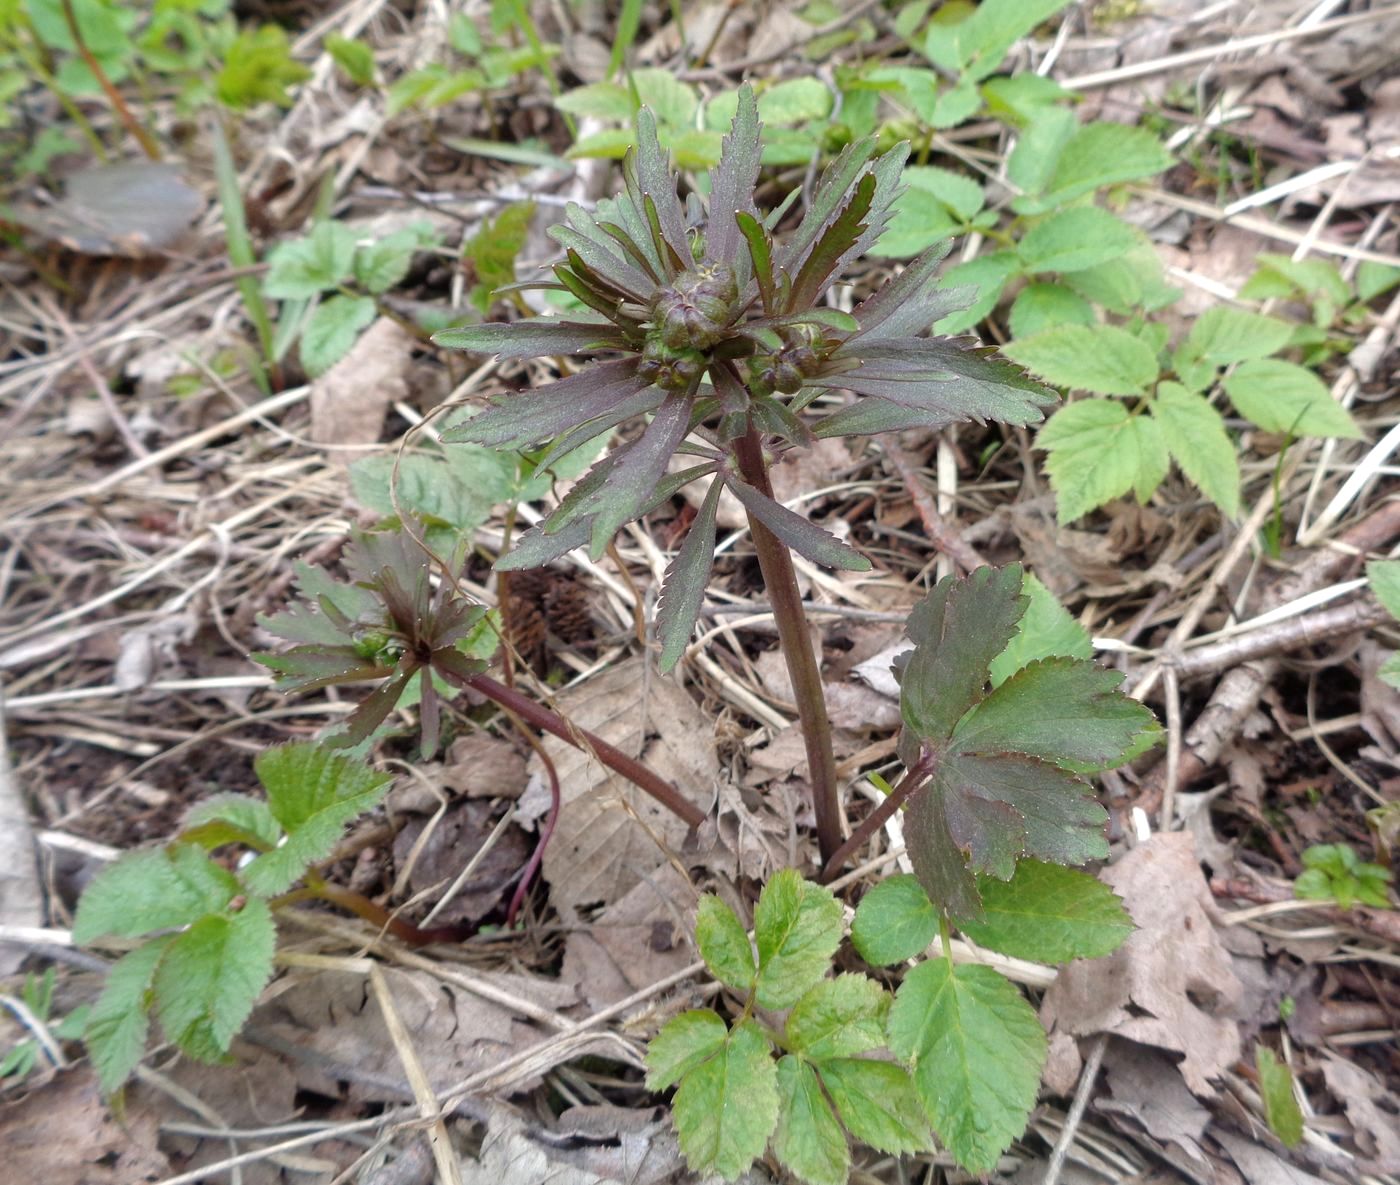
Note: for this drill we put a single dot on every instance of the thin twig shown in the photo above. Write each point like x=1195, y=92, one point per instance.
x=1087, y=1078
x=941, y=533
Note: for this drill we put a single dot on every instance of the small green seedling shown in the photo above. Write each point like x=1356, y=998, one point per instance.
x=36, y=996
x=1334, y=872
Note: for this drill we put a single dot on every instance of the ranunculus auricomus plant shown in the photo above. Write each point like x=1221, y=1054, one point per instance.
x=720, y=333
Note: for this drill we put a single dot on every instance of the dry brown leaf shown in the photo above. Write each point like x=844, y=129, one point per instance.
x=610, y=835
x=597, y=1145
x=1172, y=984
x=1373, y=1110
x=454, y=841
x=62, y=1133
x=331, y=1015
x=636, y=941
x=482, y=766
x=1259, y=1166
x=349, y=401
x=1146, y=1088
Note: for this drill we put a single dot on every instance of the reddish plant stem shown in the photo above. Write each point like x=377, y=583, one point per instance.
x=614, y=758
x=556, y=800
x=352, y=902
x=780, y=582
x=914, y=778
x=114, y=96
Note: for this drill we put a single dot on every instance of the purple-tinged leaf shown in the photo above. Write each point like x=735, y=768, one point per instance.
x=957, y=631
x=629, y=489
x=629, y=212
x=911, y=302
x=307, y=668
x=641, y=258
x=644, y=401
x=938, y=855
x=870, y=416
x=683, y=589
x=532, y=337
x=887, y=170
x=605, y=262
x=829, y=250
x=656, y=181
x=520, y=420
x=837, y=180
x=372, y=711
x=606, y=304
x=732, y=184
x=1064, y=710
x=796, y=532
x=761, y=256
x=658, y=238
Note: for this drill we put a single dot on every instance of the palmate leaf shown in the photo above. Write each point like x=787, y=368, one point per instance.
x=1003, y=784
x=907, y=305
x=147, y=891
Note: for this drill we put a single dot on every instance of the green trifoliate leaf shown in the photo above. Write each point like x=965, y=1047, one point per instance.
x=723, y=943
x=1281, y=1110
x=808, y=1139
x=147, y=891
x=1222, y=335
x=313, y=793
x=383, y=264
x=1282, y=397
x=684, y=1042
x=1194, y=433
x=975, y=1049
x=1075, y=239
x=119, y=1022
x=976, y=45
x=1384, y=576
x=1041, y=307
x=838, y=1017
x=797, y=928
x=1099, y=451
x=894, y=921
x=957, y=632
x=1049, y=914
x=1046, y=629
x=877, y=1102
x=796, y=101
x=210, y=977
x=1097, y=155
x=1064, y=710
x=231, y=818
x=1100, y=358
x=305, y=267
x=332, y=329
x=727, y=1107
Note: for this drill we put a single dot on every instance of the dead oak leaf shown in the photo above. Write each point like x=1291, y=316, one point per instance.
x=1172, y=984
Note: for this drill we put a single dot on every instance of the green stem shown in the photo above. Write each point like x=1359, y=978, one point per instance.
x=114, y=96
x=780, y=581
x=945, y=938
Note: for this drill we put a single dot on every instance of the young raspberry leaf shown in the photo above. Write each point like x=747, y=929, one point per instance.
x=975, y=1049
x=1049, y=914
x=682, y=1044
x=723, y=944
x=147, y=891
x=119, y=1022
x=797, y=928
x=727, y=1106
x=210, y=977
x=1281, y=1110
x=808, y=1140
x=231, y=818
x=313, y=793
x=877, y=1102
x=838, y=1017
x=894, y=921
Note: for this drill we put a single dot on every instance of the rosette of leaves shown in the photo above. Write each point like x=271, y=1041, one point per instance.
x=388, y=624
x=716, y=331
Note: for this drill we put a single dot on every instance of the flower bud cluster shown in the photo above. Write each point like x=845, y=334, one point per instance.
x=697, y=309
